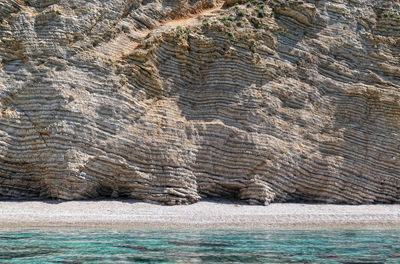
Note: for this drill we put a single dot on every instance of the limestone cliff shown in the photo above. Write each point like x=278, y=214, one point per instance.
x=173, y=100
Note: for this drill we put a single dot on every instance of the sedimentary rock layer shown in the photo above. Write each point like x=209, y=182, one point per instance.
x=170, y=101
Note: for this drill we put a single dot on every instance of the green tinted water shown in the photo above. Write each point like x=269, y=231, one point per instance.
x=200, y=246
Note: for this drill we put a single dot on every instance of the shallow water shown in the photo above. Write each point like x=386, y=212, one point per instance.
x=199, y=246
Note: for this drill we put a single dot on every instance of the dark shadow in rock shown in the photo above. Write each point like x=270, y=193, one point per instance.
x=224, y=161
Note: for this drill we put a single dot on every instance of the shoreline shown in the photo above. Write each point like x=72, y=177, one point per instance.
x=217, y=214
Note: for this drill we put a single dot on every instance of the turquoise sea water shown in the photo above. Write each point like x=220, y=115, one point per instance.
x=199, y=246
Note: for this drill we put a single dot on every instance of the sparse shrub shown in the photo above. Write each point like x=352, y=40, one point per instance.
x=388, y=14
x=180, y=32
x=391, y=14
x=240, y=13
x=239, y=24
x=206, y=22
x=260, y=11
x=231, y=34
x=252, y=45
x=227, y=23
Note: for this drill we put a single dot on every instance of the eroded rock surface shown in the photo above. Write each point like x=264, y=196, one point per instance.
x=170, y=101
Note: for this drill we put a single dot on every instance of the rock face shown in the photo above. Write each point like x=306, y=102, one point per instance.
x=170, y=101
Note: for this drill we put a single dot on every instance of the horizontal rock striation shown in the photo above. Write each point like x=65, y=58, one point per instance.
x=171, y=101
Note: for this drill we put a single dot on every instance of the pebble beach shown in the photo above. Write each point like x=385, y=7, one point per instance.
x=204, y=214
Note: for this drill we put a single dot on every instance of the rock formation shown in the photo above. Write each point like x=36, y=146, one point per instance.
x=169, y=101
